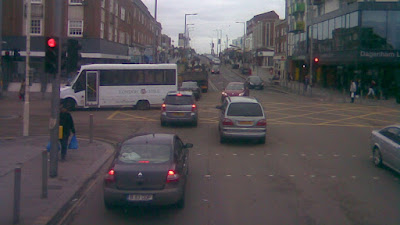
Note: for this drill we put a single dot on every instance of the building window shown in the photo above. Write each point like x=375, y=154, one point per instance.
x=116, y=9
x=36, y=1
x=111, y=6
x=115, y=35
x=36, y=27
x=103, y=4
x=103, y=15
x=75, y=28
x=122, y=37
x=123, y=14
x=75, y=2
x=110, y=32
x=102, y=30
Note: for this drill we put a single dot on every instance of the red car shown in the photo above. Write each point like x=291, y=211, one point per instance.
x=235, y=89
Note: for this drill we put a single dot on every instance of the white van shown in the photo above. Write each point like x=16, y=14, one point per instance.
x=116, y=85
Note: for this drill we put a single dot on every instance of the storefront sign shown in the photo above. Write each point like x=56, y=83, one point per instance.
x=380, y=54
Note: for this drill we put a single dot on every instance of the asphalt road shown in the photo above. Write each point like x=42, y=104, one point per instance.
x=315, y=167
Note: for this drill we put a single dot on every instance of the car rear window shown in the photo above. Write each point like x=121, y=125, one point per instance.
x=235, y=87
x=148, y=153
x=254, y=79
x=244, y=109
x=189, y=85
x=178, y=100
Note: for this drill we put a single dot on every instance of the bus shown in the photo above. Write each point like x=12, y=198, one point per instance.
x=118, y=85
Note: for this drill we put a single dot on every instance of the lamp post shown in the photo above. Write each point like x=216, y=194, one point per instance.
x=244, y=38
x=155, y=34
x=184, y=34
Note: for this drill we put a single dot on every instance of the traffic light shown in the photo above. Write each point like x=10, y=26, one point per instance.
x=51, y=58
x=73, y=55
x=316, y=60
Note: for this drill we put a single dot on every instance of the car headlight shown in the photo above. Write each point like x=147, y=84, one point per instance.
x=224, y=93
x=251, y=83
x=241, y=94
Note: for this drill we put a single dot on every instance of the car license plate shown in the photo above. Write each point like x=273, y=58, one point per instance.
x=140, y=197
x=178, y=114
x=246, y=122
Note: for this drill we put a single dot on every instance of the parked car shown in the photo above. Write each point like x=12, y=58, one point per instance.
x=179, y=107
x=149, y=169
x=254, y=82
x=215, y=69
x=191, y=86
x=245, y=70
x=385, y=145
x=235, y=89
x=242, y=117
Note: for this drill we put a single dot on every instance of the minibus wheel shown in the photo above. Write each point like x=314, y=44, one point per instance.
x=143, y=105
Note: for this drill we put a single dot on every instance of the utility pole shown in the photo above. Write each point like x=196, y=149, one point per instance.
x=1, y=48
x=27, y=69
x=155, y=34
x=310, y=13
x=55, y=98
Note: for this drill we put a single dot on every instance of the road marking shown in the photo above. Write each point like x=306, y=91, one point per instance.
x=333, y=176
x=285, y=154
x=199, y=154
x=112, y=115
x=354, y=177
x=248, y=175
x=320, y=155
x=291, y=175
x=312, y=176
x=207, y=175
x=268, y=154
x=354, y=156
x=375, y=178
x=234, y=154
x=335, y=155
x=303, y=154
x=217, y=154
x=252, y=154
x=228, y=175
x=271, y=175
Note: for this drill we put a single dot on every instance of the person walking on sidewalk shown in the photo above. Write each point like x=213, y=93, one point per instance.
x=306, y=83
x=22, y=90
x=67, y=123
x=353, y=90
x=371, y=90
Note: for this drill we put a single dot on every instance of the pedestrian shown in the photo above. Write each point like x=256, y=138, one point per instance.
x=371, y=90
x=306, y=83
x=67, y=124
x=353, y=90
x=22, y=90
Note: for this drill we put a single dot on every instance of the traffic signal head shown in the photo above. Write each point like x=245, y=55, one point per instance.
x=51, y=58
x=73, y=55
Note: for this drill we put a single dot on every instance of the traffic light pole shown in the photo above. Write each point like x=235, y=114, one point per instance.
x=55, y=99
x=27, y=71
x=311, y=13
x=1, y=50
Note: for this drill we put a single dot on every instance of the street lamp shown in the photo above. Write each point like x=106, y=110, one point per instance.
x=244, y=38
x=184, y=34
x=155, y=34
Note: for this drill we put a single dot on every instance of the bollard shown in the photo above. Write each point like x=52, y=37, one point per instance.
x=44, y=174
x=90, y=128
x=17, y=193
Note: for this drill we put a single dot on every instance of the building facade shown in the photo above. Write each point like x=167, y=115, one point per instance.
x=351, y=40
x=109, y=31
x=280, y=55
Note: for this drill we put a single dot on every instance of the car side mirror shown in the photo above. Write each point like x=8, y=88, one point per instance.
x=218, y=107
x=188, y=145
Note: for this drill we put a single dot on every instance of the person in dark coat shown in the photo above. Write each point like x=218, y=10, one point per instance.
x=67, y=123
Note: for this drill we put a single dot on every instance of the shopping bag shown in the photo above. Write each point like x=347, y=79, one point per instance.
x=48, y=147
x=73, y=144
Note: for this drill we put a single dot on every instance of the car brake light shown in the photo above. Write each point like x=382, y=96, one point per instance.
x=144, y=161
x=179, y=94
x=110, y=176
x=227, y=122
x=262, y=122
x=172, y=176
x=194, y=107
x=163, y=107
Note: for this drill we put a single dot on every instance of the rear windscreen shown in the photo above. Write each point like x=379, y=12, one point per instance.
x=148, y=153
x=179, y=100
x=245, y=109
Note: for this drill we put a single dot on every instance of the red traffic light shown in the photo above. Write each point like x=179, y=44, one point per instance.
x=51, y=43
x=316, y=59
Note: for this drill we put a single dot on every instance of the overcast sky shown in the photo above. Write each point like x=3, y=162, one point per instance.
x=211, y=15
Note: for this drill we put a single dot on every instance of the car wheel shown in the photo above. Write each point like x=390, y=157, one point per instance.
x=377, y=157
x=109, y=205
x=261, y=140
x=181, y=203
x=143, y=105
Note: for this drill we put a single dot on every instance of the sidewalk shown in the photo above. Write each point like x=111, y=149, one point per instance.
x=73, y=174
x=316, y=93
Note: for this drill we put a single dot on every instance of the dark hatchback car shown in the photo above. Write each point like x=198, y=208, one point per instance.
x=148, y=169
x=191, y=86
x=235, y=89
x=254, y=82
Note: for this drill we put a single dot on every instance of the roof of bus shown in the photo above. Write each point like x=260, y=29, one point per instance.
x=128, y=66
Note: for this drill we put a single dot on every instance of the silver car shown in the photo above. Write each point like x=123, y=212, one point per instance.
x=242, y=117
x=179, y=107
x=386, y=147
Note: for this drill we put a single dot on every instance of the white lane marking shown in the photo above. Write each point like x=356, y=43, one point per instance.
x=333, y=176
x=252, y=154
x=291, y=175
x=376, y=178
x=198, y=154
x=205, y=200
x=285, y=154
x=320, y=155
x=228, y=175
x=207, y=175
x=268, y=154
x=248, y=175
x=354, y=177
x=353, y=156
x=335, y=155
x=303, y=154
x=271, y=175
x=312, y=176
x=234, y=154
x=217, y=154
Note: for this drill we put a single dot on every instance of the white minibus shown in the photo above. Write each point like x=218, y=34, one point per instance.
x=117, y=85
